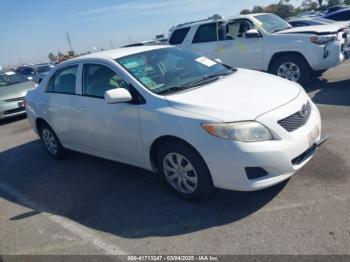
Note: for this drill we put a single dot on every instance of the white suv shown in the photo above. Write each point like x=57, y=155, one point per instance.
x=266, y=42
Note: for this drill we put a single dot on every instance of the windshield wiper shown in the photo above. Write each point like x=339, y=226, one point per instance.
x=280, y=30
x=171, y=90
x=208, y=78
x=204, y=79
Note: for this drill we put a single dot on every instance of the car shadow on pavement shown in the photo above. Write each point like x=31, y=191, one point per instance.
x=115, y=198
x=330, y=92
x=7, y=121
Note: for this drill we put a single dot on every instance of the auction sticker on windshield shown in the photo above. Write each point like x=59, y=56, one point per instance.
x=205, y=61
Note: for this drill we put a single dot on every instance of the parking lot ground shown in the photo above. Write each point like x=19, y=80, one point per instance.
x=87, y=205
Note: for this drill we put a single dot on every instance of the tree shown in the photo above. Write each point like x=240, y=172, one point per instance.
x=52, y=57
x=309, y=5
x=320, y=2
x=334, y=2
x=257, y=9
x=245, y=12
x=282, y=10
x=346, y=2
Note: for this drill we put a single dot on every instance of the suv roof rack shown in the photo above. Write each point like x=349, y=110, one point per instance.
x=212, y=18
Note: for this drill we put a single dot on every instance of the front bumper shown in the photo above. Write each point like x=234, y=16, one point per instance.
x=227, y=160
x=11, y=109
x=331, y=55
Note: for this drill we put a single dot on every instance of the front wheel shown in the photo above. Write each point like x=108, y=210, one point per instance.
x=184, y=171
x=292, y=67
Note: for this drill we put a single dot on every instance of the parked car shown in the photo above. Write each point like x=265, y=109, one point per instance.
x=13, y=88
x=198, y=123
x=265, y=42
x=308, y=21
x=35, y=73
x=333, y=9
x=340, y=15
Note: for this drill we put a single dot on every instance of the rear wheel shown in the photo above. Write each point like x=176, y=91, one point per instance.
x=51, y=142
x=184, y=171
x=292, y=67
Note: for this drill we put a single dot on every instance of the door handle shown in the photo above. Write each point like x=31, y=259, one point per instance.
x=83, y=109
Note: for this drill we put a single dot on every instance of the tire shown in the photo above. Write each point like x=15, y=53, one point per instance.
x=51, y=142
x=193, y=180
x=298, y=69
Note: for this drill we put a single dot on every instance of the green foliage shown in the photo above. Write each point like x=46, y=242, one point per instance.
x=284, y=9
x=334, y=2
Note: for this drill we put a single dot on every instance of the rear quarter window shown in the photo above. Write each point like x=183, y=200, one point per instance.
x=179, y=36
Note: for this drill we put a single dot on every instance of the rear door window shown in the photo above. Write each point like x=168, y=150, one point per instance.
x=207, y=33
x=64, y=81
x=179, y=36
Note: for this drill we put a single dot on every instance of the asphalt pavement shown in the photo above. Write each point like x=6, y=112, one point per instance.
x=86, y=205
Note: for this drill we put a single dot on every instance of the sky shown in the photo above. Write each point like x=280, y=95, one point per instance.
x=31, y=29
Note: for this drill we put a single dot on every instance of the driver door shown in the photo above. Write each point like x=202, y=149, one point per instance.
x=238, y=49
x=107, y=130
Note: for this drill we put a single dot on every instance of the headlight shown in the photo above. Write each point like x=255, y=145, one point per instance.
x=323, y=40
x=249, y=131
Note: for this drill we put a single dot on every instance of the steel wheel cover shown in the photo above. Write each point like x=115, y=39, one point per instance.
x=180, y=173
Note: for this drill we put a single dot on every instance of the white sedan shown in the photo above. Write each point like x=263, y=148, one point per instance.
x=198, y=123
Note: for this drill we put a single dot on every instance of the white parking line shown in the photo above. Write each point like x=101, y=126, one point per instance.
x=82, y=232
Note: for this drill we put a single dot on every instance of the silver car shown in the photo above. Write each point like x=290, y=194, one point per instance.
x=13, y=88
x=35, y=73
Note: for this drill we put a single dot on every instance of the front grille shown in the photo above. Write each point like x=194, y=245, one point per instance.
x=14, y=99
x=297, y=120
x=14, y=111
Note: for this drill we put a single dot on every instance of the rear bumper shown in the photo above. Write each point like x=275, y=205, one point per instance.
x=12, y=109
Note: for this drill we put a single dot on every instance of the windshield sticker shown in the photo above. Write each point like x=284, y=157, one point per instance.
x=205, y=61
x=9, y=73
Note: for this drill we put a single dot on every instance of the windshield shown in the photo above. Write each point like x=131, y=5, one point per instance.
x=44, y=69
x=11, y=78
x=272, y=23
x=167, y=69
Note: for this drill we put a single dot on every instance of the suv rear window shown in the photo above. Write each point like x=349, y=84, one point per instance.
x=206, y=33
x=178, y=36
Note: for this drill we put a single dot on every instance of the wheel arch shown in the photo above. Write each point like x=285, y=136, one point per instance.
x=277, y=55
x=163, y=140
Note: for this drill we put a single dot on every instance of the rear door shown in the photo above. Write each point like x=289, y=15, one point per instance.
x=206, y=39
x=59, y=92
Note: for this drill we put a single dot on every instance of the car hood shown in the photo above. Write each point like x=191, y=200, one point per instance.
x=244, y=95
x=15, y=91
x=315, y=29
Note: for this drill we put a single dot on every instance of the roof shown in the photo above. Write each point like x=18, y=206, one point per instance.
x=120, y=52
x=337, y=12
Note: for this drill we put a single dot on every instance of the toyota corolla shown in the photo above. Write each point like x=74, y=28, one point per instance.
x=198, y=123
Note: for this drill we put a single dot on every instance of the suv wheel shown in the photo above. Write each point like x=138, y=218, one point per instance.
x=184, y=171
x=293, y=68
x=51, y=142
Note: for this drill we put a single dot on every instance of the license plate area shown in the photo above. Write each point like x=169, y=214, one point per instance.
x=313, y=136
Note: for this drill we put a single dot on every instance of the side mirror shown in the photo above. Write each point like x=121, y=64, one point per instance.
x=252, y=33
x=117, y=95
